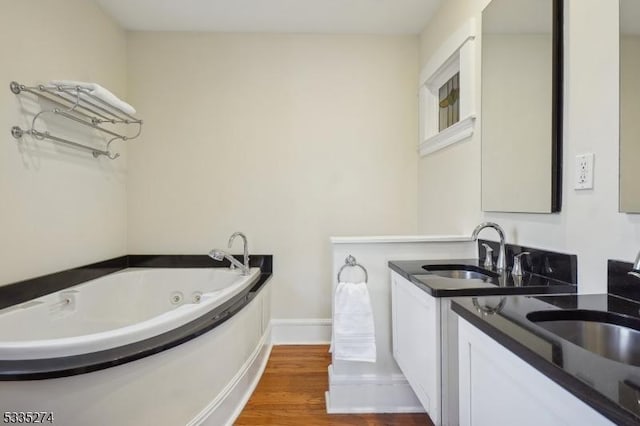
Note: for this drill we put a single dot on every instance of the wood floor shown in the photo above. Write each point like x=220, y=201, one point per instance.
x=291, y=392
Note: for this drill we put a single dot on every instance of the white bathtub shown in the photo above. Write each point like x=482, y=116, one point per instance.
x=115, y=310
x=203, y=381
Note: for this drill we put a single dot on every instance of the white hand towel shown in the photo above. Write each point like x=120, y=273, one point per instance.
x=100, y=93
x=354, y=336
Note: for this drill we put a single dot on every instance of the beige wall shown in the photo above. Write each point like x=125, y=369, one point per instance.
x=289, y=138
x=448, y=18
x=589, y=224
x=449, y=180
x=60, y=208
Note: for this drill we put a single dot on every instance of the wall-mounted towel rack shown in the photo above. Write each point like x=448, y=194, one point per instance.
x=79, y=105
x=350, y=261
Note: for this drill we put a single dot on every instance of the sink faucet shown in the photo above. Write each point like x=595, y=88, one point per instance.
x=501, y=265
x=635, y=272
x=221, y=254
x=517, y=270
x=488, y=257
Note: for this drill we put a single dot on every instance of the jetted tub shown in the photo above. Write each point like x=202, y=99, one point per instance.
x=115, y=310
x=177, y=345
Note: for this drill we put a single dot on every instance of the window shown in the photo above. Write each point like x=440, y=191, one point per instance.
x=447, y=92
x=448, y=103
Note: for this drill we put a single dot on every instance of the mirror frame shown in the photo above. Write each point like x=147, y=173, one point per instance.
x=557, y=105
x=557, y=128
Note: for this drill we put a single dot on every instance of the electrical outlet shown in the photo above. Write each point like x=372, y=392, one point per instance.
x=584, y=171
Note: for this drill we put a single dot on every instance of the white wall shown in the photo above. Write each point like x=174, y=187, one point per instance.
x=289, y=138
x=449, y=179
x=60, y=207
x=380, y=387
x=589, y=224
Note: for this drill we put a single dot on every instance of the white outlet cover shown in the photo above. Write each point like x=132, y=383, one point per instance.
x=584, y=171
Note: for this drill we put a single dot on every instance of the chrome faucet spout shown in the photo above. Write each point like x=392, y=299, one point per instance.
x=501, y=264
x=245, y=242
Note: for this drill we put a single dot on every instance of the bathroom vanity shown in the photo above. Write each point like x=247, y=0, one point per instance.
x=510, y=358
x=425, y=329
x=527, y=397
x=552, y=359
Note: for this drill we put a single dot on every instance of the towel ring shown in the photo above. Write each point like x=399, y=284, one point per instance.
x=350, y=261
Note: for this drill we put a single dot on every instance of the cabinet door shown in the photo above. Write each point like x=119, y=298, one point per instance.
x=499, y=388
x=416, y=341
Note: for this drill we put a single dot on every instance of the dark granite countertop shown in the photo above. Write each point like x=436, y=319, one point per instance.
x=600, y=382
x=504, y=284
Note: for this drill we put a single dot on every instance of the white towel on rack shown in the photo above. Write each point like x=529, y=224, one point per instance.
x=354, y=336
x=99, y=92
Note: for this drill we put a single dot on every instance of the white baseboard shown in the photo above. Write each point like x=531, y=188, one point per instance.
x=370, y=393
x=301, y=331
x=228, y=405
x=349, y=394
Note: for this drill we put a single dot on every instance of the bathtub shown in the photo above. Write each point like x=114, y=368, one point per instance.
x=115, y=310
x=161, y=345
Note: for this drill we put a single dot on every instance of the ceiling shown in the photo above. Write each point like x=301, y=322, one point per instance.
x=274, y=16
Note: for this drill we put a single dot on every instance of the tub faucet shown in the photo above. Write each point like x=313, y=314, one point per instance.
x=635, y=272
x=501, y=265
x=246, y=247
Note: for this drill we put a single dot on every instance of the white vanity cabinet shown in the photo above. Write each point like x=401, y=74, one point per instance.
x=416, y=341
x=499, y=388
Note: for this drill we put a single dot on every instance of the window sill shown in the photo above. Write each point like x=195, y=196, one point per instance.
x=460, y=131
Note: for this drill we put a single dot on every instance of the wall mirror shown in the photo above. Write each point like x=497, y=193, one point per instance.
x=521, y=115
x=629, y=106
